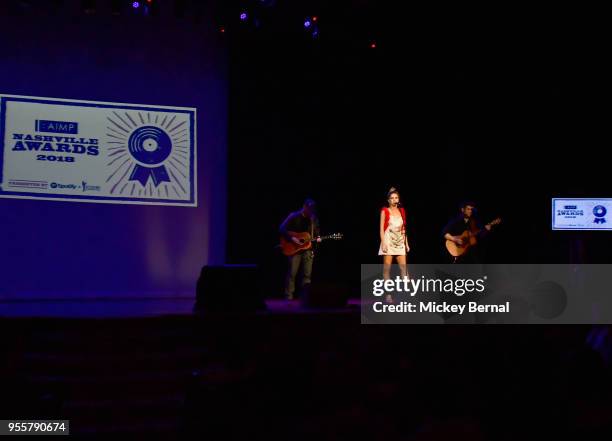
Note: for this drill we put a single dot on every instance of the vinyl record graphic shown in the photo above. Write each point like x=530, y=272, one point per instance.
x=600, y=211
x=150, y=145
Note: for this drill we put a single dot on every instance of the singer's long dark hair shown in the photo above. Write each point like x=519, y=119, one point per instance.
x=391, y=192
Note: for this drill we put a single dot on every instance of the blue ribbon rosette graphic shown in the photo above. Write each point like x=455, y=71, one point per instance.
x=600, y=214
x=150, y=146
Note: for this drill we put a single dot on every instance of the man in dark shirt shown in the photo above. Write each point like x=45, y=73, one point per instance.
x=304, y=220
x=465, y=222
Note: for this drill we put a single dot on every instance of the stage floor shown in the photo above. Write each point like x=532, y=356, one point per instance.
x=140, y=307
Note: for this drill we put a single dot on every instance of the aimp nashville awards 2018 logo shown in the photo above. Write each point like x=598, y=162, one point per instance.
x=148, y=154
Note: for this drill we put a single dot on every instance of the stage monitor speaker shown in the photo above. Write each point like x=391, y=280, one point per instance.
x=229, y=288
x=325, y=295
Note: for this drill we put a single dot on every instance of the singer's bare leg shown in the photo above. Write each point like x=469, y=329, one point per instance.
x=401, y=260
x=387, y=261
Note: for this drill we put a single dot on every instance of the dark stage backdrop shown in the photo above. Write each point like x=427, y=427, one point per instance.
x=65, y=249
x=445, y=108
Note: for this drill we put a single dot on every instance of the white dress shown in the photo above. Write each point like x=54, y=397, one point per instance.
x=395, y=239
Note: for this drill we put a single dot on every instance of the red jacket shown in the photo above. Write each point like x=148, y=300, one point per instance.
x=388, y=215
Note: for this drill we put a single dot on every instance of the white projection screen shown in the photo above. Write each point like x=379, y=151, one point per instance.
x=91, y=151
x=581, y=214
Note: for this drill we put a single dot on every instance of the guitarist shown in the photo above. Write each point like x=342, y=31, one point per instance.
x=466, y=221
x=304, y=220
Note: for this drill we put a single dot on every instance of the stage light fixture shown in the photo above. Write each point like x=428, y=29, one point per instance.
x=310, y=26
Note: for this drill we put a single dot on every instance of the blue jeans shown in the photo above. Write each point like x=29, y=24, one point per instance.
x=304, y=258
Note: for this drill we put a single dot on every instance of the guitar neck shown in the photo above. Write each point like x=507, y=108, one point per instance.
x=494, y=222
x=313, y=239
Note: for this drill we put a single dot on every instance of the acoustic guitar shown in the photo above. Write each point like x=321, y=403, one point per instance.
x=468, y=238
x=289, y=248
